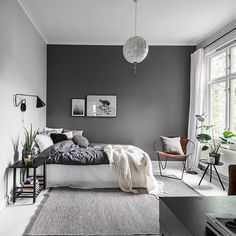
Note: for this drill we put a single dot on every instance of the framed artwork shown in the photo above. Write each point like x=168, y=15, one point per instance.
x=78, y=107
x=101, y=105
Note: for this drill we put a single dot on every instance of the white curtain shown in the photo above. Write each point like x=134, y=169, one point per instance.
x=198, y=101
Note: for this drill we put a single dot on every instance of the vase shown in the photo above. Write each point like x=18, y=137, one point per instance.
x=216, y=156
x=26, y=154
x=28, y=161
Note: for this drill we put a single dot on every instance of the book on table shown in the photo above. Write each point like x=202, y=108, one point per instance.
x=30, y=181
x=28, y=184
x=30, y=190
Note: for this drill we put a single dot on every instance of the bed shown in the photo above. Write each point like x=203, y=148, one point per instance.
x=70, y=165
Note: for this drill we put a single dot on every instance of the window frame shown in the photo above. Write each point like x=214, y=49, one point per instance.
x=228, y=78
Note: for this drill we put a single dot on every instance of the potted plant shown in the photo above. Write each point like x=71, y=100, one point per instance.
x=211, y=143
x=229, y=138
x=28, y=144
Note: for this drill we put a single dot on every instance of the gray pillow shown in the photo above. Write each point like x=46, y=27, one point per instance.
x=80, y=140
x=172, y=145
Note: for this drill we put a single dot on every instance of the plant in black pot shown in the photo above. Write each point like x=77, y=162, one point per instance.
x=29, y=141
x=211, y=143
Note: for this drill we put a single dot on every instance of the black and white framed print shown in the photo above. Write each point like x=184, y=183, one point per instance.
x=101, y=105
x=78, y=107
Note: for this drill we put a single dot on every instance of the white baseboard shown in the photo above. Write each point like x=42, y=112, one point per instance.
x=3, y=204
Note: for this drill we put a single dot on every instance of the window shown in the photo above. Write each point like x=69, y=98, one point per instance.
x=222, y=89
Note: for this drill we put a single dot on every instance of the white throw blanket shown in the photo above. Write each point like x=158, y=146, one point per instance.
x=127, y=160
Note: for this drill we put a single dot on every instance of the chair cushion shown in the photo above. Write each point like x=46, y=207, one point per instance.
x=171, y=145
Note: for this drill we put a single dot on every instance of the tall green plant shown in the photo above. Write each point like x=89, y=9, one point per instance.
x=208, y=139
x=29, y=139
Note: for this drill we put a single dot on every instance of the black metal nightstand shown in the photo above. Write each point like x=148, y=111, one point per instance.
x=18, y=192
x=204, y=161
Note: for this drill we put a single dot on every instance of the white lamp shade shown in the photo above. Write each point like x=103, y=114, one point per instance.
x=135, y=49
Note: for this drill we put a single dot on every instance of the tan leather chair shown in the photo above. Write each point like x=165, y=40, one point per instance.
x=188, y=148
x=232, y=180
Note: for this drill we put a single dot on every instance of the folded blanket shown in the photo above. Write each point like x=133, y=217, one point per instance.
x=128, y=159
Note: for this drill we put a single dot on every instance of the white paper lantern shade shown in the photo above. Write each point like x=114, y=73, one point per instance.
x=135, y=50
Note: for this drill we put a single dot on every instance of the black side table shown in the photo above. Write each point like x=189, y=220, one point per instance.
x=204, y=161
x=17, y=191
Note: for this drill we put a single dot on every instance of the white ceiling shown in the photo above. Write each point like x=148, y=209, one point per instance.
x=111, y=22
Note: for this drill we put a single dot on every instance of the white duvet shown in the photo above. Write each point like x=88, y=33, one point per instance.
x=128, y=160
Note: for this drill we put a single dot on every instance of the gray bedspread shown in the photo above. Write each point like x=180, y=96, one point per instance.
x=68, y=153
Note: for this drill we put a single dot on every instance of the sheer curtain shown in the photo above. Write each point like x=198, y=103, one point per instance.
x=198, y=101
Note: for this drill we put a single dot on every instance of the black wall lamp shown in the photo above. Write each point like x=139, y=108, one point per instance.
x=22, y=102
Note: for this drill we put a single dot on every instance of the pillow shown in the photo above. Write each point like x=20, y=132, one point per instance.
x=75, y=132
x=81, y=141
x=171, y=145
x=43, y=141
x=69, y=134
x=48, y=132
x=56, y=138
x=55, y=130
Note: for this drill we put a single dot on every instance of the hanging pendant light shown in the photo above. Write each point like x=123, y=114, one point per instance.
x=135, y=48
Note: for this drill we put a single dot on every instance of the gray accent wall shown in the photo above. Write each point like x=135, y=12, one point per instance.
x=22, y=70
x=153, y=102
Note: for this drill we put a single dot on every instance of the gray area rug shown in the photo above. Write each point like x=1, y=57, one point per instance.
x=66, y=211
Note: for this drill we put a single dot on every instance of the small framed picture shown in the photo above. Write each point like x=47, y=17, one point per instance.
x=78, y=107
x=101, y=105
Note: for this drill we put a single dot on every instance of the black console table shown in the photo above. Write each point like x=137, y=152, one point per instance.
x=17, y=190
x=185, y=216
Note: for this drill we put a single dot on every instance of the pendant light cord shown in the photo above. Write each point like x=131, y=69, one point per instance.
x=135, y=32
x=135, y=18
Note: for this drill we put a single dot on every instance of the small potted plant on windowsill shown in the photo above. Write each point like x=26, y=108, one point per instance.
x=27, y=151
x=229, y=138
x=211, y=143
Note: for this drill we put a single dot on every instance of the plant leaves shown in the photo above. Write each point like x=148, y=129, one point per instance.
x=224, y=140
x=203, y=138
x=29, y=139
x=206, y=127
x=228, y=134
x=204, y=148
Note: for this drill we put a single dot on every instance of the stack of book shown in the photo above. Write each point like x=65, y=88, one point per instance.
x=28, y=184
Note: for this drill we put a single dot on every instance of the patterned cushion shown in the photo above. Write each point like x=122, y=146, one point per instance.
x=56, y=138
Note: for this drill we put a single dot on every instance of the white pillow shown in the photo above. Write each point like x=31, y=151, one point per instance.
x=43, y=141
x=75, y=132
x=69, y=134
x=57, y=130
x=172, y=145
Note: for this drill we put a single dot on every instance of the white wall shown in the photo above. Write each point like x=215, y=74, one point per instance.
x=22, y=70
